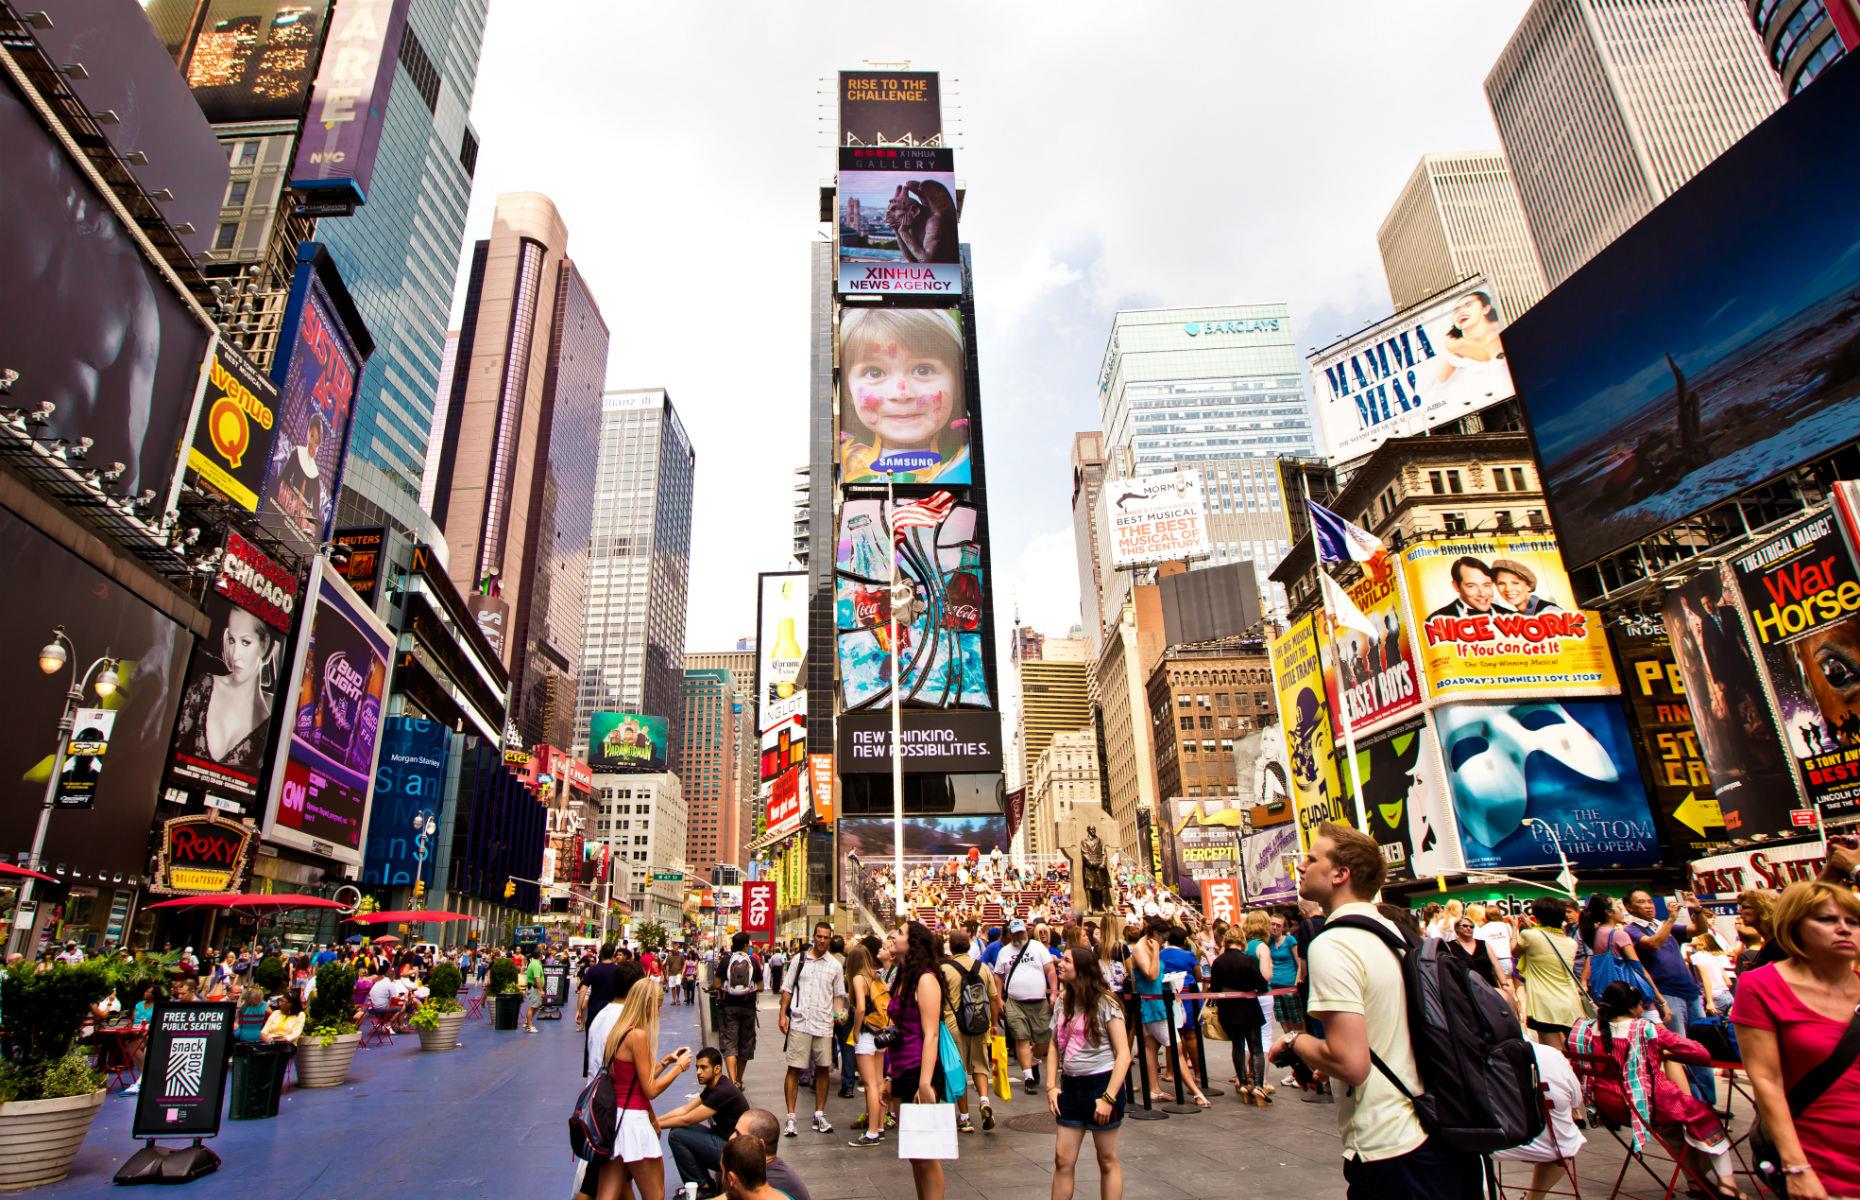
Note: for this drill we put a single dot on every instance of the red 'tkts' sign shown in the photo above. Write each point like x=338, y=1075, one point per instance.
x=1220, y=900
x=759, y=910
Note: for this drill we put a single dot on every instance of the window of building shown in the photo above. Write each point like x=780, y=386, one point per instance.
x=236, y=193
x=1534, y=517
x=1223, y=700
x=1437, y=483
x=1453, y=522
x=1188, y=722
x=241, y=154
x=226, y=236
x=1517, y=479
x=1499, y=478
x=1262, y=699
x=1207, y=722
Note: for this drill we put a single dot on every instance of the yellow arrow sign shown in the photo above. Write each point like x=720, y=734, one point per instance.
x=1698, y=814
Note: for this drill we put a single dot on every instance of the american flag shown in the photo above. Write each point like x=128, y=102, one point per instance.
x=927, y=513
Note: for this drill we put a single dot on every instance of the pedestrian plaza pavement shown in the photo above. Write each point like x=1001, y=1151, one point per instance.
x=491, y=1119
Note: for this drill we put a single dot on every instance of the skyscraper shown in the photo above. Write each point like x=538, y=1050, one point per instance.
x=1605, y=107
x=516, y=479
x=1219, y=389
x=633, y=647
x=1087, y=479
x=707, y=766
x=1456, y=217
x=1054, y=681
x=399, y=252
x=741, y=664
x=1801, y=37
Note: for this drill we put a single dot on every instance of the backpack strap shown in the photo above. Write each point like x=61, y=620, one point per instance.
x=1823, y=1075
x=1400, y=947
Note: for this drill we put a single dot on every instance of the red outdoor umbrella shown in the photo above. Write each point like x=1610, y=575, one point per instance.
x=241, y=901
x=386, y=939
x=8, y=870
x=410, y=915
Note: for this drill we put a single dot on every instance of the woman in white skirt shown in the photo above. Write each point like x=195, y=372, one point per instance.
x=629, y=1056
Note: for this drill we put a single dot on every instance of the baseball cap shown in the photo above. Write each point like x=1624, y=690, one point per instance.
x=1017, y=926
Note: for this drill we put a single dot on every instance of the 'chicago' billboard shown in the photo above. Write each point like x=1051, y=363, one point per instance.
x=1419, y=369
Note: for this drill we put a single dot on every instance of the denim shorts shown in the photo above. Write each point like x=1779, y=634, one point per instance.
x=1078, y=1102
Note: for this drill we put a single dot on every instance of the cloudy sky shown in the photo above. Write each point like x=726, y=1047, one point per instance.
x=1134, y=154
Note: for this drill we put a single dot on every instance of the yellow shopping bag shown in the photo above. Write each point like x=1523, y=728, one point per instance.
x=997, y=1050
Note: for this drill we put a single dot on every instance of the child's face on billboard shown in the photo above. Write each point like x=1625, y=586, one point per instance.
x=902, y=396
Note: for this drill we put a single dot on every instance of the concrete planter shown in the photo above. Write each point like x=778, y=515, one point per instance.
x=506, y=1007
x=39, y=1138
x=445, y=1036
x=325, y=1066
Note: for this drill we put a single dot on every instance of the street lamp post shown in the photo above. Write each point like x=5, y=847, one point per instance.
x=425, y=825
x=54, y=654
x=1566, y=878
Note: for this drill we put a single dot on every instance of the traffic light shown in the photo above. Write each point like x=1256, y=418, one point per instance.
x=510, y=889
x=419, y=889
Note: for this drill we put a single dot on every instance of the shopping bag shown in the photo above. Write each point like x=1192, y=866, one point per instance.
x=926, y=1131
x=997, y=1053
x=1211, y=1027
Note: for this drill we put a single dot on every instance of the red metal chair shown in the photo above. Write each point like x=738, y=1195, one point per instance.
x=379, y=1029
x=1602, y=1068
x=474, y=1005
x=1568, y=1164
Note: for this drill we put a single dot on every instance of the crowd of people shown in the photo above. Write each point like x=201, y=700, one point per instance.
x=1625, y=1009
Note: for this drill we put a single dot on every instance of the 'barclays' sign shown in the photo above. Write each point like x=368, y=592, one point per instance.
x=1253, y=325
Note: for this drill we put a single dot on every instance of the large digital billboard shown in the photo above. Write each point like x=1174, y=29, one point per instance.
x=53, y=587
x=781, y=694
x=252, y=60
x=123, y=375
x=1662, y=378
x=222, y=737
x=890, y=108
x=322, y=349
x=1737, y=732
x=1569, y=766
x=940, y=647
x=320, y=790
x=1801, y=591
x=1309, y=741
x=903, y=396
x=1497, y=616
x=628, y=742
x=897, y=223
x=1419, y=369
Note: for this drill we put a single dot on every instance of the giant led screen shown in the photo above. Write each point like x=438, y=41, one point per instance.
x=1714, y=345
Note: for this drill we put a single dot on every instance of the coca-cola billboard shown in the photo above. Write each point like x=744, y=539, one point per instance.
x=339, y=681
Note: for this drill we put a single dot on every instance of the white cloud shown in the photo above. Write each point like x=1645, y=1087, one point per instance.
x=1114, y=154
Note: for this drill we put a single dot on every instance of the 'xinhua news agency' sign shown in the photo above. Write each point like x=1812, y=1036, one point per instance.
x=934, y=742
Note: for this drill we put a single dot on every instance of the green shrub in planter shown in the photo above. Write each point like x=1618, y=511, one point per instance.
x=44, y=1012
x=271, y=975
x=443, y=989
x=503, y=977
x=332, y=1007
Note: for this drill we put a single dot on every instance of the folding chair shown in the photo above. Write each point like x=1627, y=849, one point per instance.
x=1595, y=1068
x=1568, y=1164
x=380, y=1028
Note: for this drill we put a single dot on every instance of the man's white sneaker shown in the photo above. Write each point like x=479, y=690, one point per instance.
x=820, y=1123
x=789, y=1131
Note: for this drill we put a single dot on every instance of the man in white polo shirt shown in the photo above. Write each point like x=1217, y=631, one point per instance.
x=813, y=996
x=1028, y=983
x=1357, y=995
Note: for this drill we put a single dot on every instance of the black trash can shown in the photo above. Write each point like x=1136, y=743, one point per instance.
x=506, y=1007
x=257, y=1080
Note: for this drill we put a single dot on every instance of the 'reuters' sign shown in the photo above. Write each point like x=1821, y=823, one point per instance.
x=759, y=910
x=1775, y=866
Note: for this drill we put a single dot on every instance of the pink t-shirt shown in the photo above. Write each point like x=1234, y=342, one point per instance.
x=1804, y=1038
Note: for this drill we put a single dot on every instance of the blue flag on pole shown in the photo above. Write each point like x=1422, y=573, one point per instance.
x=1337, y=540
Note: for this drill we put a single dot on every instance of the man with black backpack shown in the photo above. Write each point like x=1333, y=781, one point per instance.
x=971, y=1006
x=739, y=980
x=1359, y=994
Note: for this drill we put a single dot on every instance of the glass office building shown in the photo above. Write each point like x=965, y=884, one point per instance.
x=399, y=253
x=1219, y=389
